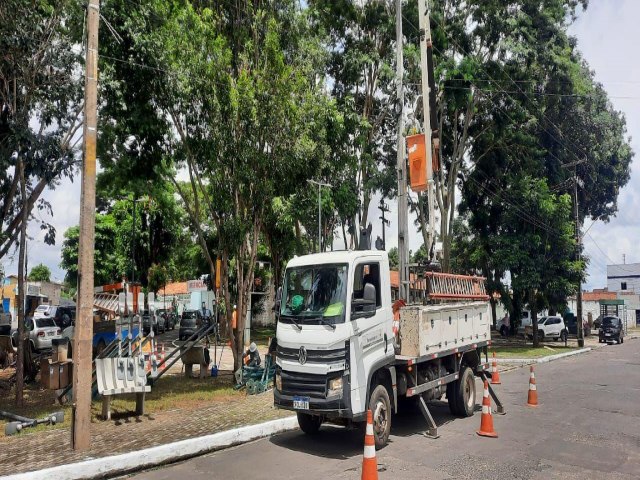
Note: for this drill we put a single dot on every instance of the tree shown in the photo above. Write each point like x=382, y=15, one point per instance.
x=105, y=257
x=40, y=108
x=40, y=273
x=157, y=276
x=394, y=260
x=360, y=37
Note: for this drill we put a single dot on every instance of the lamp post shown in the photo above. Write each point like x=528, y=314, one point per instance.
x=320, y=185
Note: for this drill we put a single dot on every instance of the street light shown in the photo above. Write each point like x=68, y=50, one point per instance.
x=320, y=185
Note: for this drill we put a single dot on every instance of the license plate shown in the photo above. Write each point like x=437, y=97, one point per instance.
x=301, y=403
x=51, y=334
x=607, y=334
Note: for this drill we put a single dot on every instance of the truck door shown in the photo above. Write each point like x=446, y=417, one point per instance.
x=369, y=311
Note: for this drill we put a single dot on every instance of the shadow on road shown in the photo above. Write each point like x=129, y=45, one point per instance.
x=346, y=442
x=409, y=421
x=330, y=442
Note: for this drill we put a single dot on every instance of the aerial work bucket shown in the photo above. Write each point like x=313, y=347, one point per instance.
x=417, y=162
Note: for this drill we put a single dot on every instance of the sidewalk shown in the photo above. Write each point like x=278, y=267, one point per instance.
x=197, y=416
x=42, y=449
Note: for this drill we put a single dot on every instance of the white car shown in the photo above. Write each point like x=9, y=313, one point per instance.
x=552, y=327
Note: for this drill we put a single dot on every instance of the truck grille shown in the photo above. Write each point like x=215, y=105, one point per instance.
x=313, y=356
x=307, y=384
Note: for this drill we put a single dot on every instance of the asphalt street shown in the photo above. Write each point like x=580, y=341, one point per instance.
x=587, y=426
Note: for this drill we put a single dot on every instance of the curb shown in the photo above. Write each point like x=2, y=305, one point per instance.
x=547, y=359
x=152, y=457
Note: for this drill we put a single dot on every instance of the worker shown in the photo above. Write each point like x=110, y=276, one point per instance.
x=253, y=361
x=253, y=355
x=206, y=313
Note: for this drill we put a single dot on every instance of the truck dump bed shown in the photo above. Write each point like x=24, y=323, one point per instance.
x=432, y=329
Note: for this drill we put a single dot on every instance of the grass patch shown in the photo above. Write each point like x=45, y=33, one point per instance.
x=171, y=392
x=528, y=351
x=261, y=335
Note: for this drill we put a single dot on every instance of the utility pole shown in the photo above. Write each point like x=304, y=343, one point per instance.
x=320, y=185
x=83, y=335
x=579, y=325
x=401, y=164
x=384, y=208
x=425, y=53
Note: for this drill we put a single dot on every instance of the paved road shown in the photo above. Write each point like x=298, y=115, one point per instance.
x=588, y=426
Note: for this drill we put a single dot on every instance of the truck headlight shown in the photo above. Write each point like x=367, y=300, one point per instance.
x=335, y=387
x=278, y=382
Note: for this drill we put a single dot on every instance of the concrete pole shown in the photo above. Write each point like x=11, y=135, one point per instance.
x=579, y=331
x=401, y=165
x=83, y=335
x=425, y=43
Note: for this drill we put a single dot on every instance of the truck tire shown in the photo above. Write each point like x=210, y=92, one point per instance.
x=380, y=406
x=462, y=394
x=309, y=424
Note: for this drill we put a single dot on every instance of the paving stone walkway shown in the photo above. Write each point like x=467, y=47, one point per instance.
x=42, y=449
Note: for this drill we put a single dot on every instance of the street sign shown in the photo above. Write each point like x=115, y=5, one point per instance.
x=196, y=286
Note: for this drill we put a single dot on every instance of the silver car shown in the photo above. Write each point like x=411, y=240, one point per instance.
x=41, y=331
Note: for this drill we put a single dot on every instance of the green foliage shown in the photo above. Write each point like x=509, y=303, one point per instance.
x=157, y=277
x=105, y=259
x=40, y=273
x=40, y=107
x=394, y=259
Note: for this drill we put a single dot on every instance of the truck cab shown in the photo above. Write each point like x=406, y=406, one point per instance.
x=334, y=330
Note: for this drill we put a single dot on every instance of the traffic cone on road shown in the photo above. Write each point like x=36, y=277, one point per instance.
x=486, y=422
x=369, y=462
x=532, y=399
x=495, y=376
x=162, y=352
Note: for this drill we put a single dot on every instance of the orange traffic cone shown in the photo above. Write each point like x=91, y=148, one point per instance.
x=495, y=376
x=162, y=352
x=369, y=462
x=532, y=399
x=486, y=422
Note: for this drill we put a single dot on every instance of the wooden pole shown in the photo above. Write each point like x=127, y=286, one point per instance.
x=83, y=334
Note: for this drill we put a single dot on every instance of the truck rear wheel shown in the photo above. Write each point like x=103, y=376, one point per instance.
x=380, y=407
x=461, y=394
x=309, y=424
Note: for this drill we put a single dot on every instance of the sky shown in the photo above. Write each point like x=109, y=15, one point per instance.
x=608, y=37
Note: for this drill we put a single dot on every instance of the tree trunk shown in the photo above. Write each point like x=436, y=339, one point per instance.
x=534, y=320
x=494, y=318
x=21, y=296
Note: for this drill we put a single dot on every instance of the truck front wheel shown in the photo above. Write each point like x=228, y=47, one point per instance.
x=309, y=424
x=380, y=407
x=461, y=394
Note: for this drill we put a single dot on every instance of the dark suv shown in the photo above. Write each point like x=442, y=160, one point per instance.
x=611, y=329
x=190, y=322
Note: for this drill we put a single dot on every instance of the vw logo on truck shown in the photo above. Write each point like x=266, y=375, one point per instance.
x=302, y=356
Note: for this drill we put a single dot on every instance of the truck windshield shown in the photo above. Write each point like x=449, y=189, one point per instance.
x=314, y=294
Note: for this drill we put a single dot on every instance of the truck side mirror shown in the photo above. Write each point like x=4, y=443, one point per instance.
x=369, y=294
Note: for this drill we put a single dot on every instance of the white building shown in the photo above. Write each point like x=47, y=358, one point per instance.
x=623, y=277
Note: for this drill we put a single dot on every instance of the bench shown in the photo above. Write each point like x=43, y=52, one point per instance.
x=191, y=357
x=119, y=376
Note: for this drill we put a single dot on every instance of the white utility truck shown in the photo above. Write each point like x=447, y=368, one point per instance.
x=344, y=347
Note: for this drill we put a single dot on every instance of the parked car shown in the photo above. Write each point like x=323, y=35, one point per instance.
x=41, y=331
x=153, y=321
x=190, y=322
x=611, y=330
x=5, y=321
x=62, y=316
x=550, y=327
x=169, y=318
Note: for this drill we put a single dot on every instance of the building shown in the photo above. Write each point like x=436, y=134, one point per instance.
x=623, y=277
x=37, y=293
x=591, y=302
